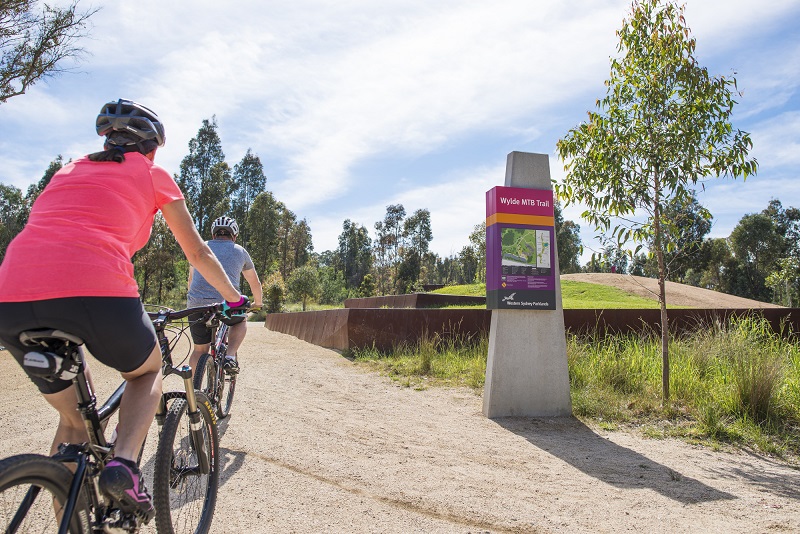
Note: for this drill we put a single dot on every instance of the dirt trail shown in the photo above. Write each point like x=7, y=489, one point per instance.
x=316, y=444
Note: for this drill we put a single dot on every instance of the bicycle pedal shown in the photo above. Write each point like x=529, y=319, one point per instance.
x=118, y=522
x=230, y=366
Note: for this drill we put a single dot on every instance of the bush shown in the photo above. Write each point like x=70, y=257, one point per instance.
x=274, y=293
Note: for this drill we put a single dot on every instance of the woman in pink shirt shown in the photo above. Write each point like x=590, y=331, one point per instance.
x=70, y=269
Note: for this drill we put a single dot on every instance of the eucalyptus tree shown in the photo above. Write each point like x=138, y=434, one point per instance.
x=353, y=256
x=13, y=214
x=417, y=236
x=469, y=264
x=300, y=244
x=160, y=268
x=389, y=233
x=264, y=220
x=477, y=240
x=687, y=223
x=34, y=190
x=757, y=247
x=568, y=242
x=663, y=125
x=303, y=284
x=205, y=178
x=36, y=41
x=249, y=181
x=785, y=281
x=288, y=220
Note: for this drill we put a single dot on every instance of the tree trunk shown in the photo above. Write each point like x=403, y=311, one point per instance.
x=662, y=293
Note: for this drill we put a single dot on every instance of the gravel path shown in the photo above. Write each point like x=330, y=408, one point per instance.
x=317, y=444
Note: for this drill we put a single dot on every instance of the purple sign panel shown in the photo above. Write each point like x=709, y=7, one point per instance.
x=520, y=258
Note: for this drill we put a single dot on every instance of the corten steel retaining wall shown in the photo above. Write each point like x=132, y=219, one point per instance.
x=386, y=328
x=413, y=300
x=682, y=320
x=381, y=328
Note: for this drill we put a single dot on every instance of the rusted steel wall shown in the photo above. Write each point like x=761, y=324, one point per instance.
x=413, y=300
x=680, y=320
x=326, y=328
x=385, y=328
x=381, y=328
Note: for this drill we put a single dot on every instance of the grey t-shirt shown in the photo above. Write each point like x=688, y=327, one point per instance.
x=234, y=260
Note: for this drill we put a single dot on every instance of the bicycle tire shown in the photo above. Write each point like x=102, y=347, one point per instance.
x=226, y=384
x=205, y=378
x=20, y=473
x=184, y=498
x=224, y=408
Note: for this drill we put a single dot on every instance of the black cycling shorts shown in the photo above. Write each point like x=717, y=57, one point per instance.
x=117, y=330
x=201, y=334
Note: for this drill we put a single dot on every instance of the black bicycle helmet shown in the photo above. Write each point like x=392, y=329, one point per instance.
x=225, y=223
x=136, y=122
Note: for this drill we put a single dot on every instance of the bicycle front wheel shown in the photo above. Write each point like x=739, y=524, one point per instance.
x=184, y=496
x=33, y=490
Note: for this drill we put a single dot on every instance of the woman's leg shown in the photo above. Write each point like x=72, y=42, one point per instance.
x=70, y=424
x=138, y=406
x=236, y=335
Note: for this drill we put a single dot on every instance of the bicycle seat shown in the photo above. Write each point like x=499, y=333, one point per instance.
x=40, y=336
x=61, y=357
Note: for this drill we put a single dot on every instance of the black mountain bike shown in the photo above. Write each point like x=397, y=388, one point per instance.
x=41, y=494
x=211, y=377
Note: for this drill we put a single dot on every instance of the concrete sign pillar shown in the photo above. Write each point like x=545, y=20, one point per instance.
x=526, y=369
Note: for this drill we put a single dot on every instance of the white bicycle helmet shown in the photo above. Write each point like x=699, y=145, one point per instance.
x=131, y=118
x=225, y=223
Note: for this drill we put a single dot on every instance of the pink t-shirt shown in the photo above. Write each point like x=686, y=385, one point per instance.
x=83, y=231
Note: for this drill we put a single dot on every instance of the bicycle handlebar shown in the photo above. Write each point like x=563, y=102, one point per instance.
x=173, y=315
x=169, y=315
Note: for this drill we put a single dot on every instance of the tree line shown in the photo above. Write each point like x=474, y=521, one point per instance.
x=760, y=260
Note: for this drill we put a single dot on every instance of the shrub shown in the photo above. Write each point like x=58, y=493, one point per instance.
x=274, y=293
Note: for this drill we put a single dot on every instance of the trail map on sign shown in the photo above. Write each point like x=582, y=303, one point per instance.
x=525, y=247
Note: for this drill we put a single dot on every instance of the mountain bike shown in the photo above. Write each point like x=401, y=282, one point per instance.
x=41, y=494
x=211, y=377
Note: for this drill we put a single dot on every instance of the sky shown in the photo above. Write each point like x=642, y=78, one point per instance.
x=355, y=105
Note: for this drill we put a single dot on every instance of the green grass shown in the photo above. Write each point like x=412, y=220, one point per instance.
x=737, y=385
x=470, y=290
x=310, y=306
x=574, y=295
x=458, y=361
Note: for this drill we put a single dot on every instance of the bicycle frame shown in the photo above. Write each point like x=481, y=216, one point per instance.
x=96, y=419
x=221, y=338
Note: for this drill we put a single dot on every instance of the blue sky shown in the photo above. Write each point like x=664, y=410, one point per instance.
x=357, y=104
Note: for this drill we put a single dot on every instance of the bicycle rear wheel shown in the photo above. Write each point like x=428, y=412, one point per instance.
x=226, y=395
x=33, y=489
x=184, y=497
x=205, y=378
x=226, y=383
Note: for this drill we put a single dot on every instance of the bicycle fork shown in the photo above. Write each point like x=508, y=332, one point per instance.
x=195, y=420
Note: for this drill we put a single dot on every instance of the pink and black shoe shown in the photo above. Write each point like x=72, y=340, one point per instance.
x=122, y=481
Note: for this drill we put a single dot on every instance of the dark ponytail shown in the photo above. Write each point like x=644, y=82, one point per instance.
x=116, y=154
x=117, y=145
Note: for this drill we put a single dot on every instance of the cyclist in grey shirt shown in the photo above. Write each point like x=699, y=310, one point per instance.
x=236, y=262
